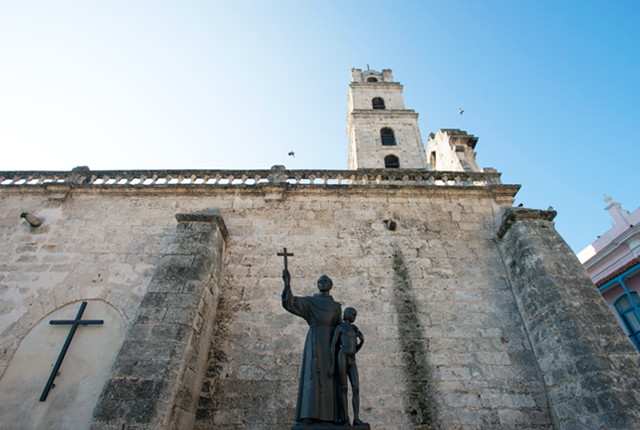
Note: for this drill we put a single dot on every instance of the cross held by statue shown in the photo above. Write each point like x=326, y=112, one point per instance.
x=285, y=254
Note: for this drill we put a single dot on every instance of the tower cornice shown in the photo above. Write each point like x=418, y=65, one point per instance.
x=376, y=84
x=384, y=113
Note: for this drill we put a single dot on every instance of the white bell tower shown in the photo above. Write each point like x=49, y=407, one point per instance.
x=382, y=133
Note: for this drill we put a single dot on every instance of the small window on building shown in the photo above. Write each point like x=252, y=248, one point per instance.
x=391, y=162
x=629, y=313
x=432, y=161
x=387, y=137
x=378, y=103
x=371, y=79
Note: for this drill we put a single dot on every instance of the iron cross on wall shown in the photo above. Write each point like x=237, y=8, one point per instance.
x=74, y=326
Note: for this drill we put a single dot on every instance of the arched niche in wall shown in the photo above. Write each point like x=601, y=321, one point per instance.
x=83, y=372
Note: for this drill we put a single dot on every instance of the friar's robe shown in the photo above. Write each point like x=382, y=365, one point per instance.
x=317, y=392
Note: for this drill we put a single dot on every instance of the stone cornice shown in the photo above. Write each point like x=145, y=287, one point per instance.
x=503, y=194
x=62, y=181
x=384, y=112
x=272, y=185
x=522, y=214
x=211, y=216
x=375, y=84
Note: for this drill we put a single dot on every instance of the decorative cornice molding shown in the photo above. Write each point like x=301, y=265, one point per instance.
x=512, y=215
x=279, y=175
x=207, y=216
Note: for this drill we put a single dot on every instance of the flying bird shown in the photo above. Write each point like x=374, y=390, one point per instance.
x=460, y=111
x=293, y=154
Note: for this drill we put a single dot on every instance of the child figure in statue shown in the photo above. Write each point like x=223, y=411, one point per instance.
x=347, y=335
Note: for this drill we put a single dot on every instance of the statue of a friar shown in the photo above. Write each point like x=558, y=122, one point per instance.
x=317, y=391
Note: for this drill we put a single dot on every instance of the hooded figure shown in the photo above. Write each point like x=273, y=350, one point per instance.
x=317, y=391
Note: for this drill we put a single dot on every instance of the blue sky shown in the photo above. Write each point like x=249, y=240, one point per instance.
x=550, y=87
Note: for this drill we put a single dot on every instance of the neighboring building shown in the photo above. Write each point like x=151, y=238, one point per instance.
x=613, y=262
x=477, y=315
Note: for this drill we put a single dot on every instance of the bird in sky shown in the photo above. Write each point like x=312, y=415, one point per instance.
x=460, y=111
x=293, y=154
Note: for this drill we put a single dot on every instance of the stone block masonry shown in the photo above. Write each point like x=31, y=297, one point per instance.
x=446, y=343
x=158, y=374
x=589, y=365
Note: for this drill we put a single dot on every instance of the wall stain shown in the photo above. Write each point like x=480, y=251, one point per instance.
x=215, y=376
x=419, y=401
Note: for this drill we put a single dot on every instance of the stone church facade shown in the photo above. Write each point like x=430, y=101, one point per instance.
x=476, y=315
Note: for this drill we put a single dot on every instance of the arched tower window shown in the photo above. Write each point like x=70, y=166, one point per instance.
x=377, y=103
x=387, y=137
x=372, y=79
x=391, y=162
x=629, y=315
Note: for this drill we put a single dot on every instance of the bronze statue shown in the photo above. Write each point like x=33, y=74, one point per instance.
x=347, y=335
x=316, y=390
x=320, y=394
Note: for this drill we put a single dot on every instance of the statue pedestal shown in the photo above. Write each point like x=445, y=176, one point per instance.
x=328, y=426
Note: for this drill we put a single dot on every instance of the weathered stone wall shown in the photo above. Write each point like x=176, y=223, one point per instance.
x=89, y=246
x=446, y=157
x=445, y=343
x=370, y=152
x=364, y=124
x=589, y=365
x=159, y=371
x=361, y=95
x=86, y=367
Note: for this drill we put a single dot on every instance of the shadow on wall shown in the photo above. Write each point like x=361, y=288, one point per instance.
x=419, y=398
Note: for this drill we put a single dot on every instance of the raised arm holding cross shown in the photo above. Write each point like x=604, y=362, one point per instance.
x=316, y=389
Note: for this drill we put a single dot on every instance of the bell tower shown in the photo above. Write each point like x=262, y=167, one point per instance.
x=382, y=133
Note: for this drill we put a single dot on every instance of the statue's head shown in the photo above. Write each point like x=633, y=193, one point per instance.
x=350, y=314
x=325, y=283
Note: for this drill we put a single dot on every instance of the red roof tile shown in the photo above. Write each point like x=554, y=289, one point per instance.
x=619, y=271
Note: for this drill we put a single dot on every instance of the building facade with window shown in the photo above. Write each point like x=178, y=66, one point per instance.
x=613, y=262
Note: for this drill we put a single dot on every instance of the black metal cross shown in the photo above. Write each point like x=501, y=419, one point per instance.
x=74, y=325
x=285, y=255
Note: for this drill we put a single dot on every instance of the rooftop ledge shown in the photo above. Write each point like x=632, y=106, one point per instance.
x=83, y=177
